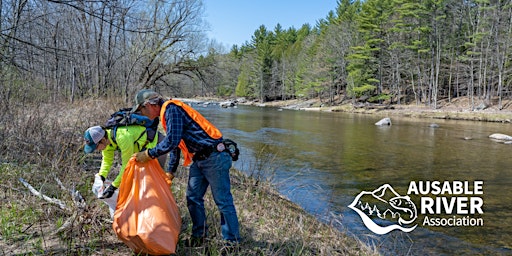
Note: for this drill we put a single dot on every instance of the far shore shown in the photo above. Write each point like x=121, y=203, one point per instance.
x=457, y=109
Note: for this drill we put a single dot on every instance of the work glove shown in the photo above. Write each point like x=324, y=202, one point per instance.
x=108, y=192
x=97, y=186
x=142, y=156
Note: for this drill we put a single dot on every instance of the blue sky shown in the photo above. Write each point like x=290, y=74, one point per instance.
x=234, y=21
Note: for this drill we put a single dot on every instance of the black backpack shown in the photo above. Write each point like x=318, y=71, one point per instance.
x=125, y=117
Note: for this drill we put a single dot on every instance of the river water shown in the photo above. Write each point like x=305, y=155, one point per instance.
x=322, y=161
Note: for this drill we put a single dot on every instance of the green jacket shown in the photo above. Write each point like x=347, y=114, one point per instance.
x=130, y=139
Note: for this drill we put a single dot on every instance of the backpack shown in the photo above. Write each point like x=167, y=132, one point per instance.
x=125, y=117
x=232, y=149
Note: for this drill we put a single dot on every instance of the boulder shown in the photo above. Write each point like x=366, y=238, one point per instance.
x=384, y=121
x=499, y=136
x=227, y=104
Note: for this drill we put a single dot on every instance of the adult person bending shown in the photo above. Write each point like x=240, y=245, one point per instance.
x=201, y=142
x=128, y=139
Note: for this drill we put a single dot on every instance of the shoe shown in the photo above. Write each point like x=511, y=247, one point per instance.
x=194, y=242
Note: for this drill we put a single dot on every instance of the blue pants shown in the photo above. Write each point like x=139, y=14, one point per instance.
x=213, y=171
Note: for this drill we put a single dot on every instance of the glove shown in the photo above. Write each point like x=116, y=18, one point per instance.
x=170, y=175
x=97, y=186
x=142, y=156
x=108, y=192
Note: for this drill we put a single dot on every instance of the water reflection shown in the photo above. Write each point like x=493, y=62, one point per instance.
x=323, y=160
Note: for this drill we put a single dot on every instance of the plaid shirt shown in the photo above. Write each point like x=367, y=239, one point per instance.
x=181, y=126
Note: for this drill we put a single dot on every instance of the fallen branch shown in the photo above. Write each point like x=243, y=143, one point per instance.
x=77, y=198
x=68, y=224
x=75, y=194
x=49, y=199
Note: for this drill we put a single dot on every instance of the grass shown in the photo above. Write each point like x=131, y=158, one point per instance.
x=43, y=146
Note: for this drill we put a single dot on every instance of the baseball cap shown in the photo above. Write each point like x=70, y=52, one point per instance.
x=92, y=137
x=143, y=96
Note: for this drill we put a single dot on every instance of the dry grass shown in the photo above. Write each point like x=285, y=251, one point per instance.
x=43, y=145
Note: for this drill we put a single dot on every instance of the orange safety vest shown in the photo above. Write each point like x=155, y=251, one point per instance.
x=208, y=127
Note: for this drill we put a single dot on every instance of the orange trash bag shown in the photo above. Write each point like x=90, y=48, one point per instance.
x=147, y=218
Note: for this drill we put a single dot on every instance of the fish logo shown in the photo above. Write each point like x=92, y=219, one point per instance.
x=385, y=203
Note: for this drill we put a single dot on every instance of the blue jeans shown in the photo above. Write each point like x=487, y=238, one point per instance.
x=213, y=171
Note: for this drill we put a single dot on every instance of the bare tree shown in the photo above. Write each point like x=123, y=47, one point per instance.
x=97, y=48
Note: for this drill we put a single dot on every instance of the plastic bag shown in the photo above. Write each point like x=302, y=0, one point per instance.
x=147, y=218
x=98, y=187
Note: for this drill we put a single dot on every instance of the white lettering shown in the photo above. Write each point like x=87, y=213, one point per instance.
x=413, y=188
x=435, y=187
x=426, y=205
x=445, y=187
x=462, y=205
x=426, y=221
x=478, y=187
x=476, y=205
x=453, y=221
x=457, y=187
x=451, y=205
x=448, y=207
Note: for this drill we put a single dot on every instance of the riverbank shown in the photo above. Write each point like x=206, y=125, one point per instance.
x=456, y=109
x=66, y=219
x=269, y=223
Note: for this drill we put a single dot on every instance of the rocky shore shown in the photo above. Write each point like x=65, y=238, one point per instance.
x=459, y=109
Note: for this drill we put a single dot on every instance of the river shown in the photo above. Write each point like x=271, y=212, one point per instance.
x=323, y=161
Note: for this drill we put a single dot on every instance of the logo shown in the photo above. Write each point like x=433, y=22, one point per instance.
x=385, y=203
x=442, y=203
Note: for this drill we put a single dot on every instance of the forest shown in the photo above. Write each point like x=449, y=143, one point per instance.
x=381, y=51
x=66, y=65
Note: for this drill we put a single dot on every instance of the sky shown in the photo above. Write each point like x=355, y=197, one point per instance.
x=234, y=21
